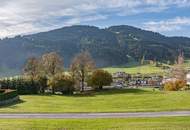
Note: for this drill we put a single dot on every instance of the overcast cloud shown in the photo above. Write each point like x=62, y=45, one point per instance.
x=30, y=16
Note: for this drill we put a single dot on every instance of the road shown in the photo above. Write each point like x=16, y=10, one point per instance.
x=94, y=115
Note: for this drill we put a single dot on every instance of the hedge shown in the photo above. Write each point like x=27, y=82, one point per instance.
x=22, y=85
x=8, y=94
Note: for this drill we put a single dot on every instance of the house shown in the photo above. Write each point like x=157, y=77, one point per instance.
x=188, y=78
x=120, y=78
x=122, y=75
x=146, y=80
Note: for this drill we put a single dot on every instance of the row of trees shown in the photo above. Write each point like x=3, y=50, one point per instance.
x=48, y=72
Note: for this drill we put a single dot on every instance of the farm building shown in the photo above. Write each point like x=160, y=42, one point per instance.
x=146, y=80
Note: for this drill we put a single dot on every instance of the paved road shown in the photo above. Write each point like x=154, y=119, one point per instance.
x=94, y=115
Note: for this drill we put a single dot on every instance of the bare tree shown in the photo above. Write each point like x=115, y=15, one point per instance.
x=31, y=67
x=52, y=63
x=178, y=71
x=180, y=59
x=81, y=66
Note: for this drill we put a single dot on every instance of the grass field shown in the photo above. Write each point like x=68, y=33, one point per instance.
x=144, y=69
x=128, y=100
x=166, y=123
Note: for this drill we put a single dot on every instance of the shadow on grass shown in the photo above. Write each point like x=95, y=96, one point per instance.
x=84, y=94
x=92, y=93
x=112, y=92
x=121, y=91
x=12, y=105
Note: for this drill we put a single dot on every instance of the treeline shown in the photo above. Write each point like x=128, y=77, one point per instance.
x=46, y=74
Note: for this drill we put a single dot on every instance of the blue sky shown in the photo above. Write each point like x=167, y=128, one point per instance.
x=19, y=17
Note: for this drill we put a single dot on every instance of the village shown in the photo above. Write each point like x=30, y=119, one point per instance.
x=122, y=79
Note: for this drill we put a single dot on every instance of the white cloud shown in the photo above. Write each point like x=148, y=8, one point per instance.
x=28, y=16
x=168, y=25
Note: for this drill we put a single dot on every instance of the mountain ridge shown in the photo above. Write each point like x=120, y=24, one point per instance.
x=111, y=46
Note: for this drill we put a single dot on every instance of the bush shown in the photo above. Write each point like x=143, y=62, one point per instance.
x=99, y=79
x=61, y=83
x=27, y=86
x=2, y=91
x=175, y=85
x=8, y=94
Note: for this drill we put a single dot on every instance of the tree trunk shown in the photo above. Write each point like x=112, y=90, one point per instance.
x=82, y=87
x=100, y=87
x=42, y=90
x=53, y=90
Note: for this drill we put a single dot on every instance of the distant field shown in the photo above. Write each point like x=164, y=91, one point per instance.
x=166, y=123
x=129, y=100
x=187, y=64
x=144, y=69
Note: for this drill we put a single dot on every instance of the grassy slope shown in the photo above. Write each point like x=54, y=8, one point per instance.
x=109, y=101
x=145, y=69
x=173, y=123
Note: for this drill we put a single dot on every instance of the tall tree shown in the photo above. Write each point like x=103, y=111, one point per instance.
x=180, y=59
x=81, y=66
x=31, y=67
x=178, y=71
x=62, y=83
x=52, y=63
x=42, y=82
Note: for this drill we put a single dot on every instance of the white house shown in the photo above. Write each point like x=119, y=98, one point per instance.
x=165, y=80
x=188, y=78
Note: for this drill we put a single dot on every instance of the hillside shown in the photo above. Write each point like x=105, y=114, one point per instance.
x=143, y=69
x=111, y=46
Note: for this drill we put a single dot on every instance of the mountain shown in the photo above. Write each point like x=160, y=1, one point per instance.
x=116, y=45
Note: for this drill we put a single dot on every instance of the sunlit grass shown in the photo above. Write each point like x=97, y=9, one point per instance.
x=144, y=69
x=166, y=123
x=128, y=100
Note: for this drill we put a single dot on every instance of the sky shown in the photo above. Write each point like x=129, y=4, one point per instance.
x=21, y=17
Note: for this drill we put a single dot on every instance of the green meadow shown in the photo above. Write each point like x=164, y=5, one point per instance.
x=124, y=100
x=144, y=69
x=164, y=123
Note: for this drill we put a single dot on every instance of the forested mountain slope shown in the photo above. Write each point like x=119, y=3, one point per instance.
x=116, y=45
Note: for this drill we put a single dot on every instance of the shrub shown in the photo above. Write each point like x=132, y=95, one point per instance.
x=174, y=85
x=62, y=83
x=8, y=94
x=99, y=79
x=27, y=86
x=2, y=91
x=23, y=85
